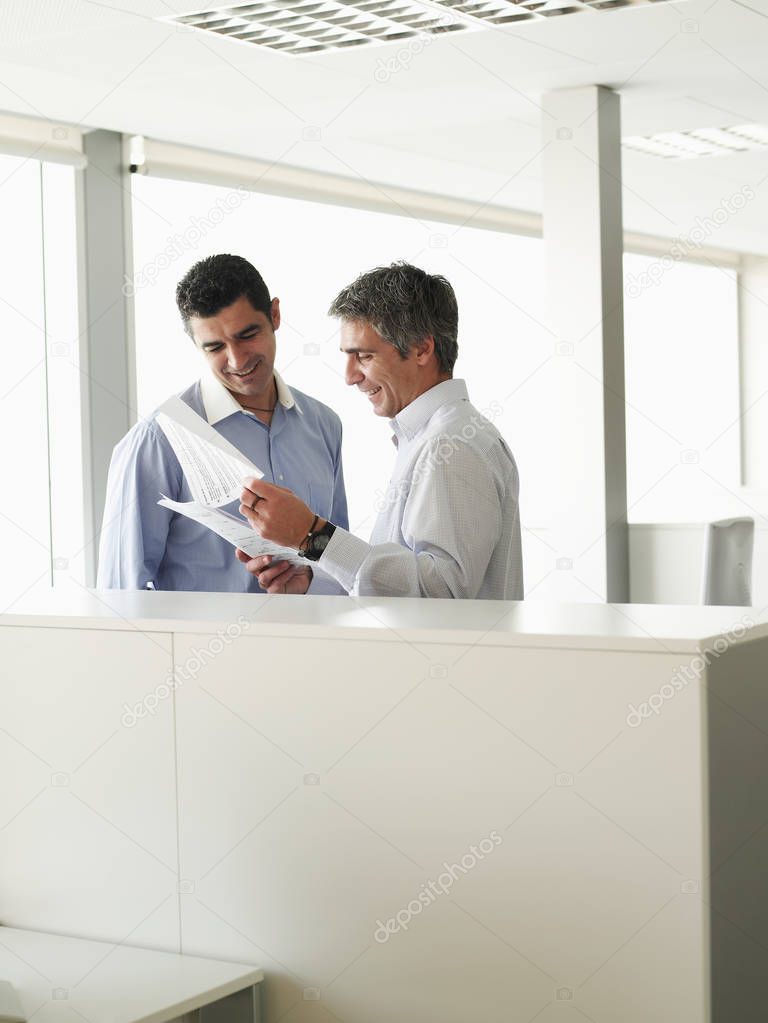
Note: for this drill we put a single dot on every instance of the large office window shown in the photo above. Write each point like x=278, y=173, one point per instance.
x=680, y=337
x=41, y=520
x=307, y=251
x=682, y=389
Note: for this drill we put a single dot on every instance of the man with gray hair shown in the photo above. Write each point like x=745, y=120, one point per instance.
x=450, y=521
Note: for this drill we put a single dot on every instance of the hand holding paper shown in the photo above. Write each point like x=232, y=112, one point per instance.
x=277, y=576
x=276, y=513
x=231, y=529
x=214, y=470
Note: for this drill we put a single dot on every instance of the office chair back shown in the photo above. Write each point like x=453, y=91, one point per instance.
x=728, y=562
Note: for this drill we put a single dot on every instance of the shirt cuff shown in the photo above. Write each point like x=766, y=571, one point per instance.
x=324, y=585
x=343, y=557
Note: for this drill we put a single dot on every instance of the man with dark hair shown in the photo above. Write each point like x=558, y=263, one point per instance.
x=227, y=310
x=450, y=525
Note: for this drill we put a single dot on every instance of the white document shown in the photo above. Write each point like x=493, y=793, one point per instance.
x=213, y=467
x=232, y=529
x=214, y=470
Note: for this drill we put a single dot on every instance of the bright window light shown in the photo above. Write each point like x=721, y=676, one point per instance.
x=682, y=373
x=41, y=522
x=24, y=506
x=307, y=252
x=680, y=336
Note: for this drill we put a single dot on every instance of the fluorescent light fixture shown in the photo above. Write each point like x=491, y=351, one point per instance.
x=688, y=145
x=308, y=26
x=298, y=27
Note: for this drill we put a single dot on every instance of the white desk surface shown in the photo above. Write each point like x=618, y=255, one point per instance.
x=670, y=628
x=60, y=978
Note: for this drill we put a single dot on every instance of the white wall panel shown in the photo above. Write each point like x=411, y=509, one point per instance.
x=407, y=826
x=88, y=840
x=324, y=784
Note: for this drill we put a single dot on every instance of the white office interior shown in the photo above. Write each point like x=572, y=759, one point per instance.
x=221, y=806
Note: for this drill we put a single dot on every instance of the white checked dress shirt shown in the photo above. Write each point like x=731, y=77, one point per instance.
x=450, y=521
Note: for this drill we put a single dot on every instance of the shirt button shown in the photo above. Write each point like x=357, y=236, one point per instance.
x=280, y=476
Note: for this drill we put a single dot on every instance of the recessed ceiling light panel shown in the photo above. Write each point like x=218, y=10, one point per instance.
x=511, y=11
x=308, y=26
x=688, y=145
x=299, y=27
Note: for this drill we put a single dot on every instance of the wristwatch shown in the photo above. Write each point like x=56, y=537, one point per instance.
x=316, y=542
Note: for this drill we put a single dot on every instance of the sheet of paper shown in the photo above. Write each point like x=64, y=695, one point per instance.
x=213, y=467
x=233, y=530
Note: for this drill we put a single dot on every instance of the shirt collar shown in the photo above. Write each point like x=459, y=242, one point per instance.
x=219, y=403
x=415, y=416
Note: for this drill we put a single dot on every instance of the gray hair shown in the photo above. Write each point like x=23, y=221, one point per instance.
x=404, y=305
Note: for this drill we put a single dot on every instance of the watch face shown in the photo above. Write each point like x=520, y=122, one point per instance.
x=319, y=543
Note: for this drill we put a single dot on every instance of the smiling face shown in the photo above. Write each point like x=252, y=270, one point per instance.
x=376, y=368
x=239, y=346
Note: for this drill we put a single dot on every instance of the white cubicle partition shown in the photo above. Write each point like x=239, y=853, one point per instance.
x=88, y=845
x=400, y=810
x=667, y=562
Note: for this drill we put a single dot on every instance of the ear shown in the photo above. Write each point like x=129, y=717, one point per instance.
x=424, y=350
x=275, y=311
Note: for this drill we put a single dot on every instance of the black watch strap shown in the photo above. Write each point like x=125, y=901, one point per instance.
x=317, y=542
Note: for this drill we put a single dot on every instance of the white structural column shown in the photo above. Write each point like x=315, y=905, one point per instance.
x=584, y=247
x=108, y=400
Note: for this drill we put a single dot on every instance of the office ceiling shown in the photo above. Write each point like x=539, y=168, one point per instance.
x=459, y=114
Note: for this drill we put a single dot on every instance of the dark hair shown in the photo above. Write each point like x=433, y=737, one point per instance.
x=216, y=282
x=404, y=305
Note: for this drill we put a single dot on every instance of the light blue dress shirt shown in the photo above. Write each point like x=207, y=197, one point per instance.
x=146, y=546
